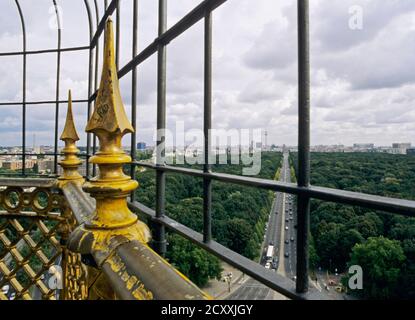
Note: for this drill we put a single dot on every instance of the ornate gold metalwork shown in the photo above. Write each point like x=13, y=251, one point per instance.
x=29, y=245
x=111, y=187
x=71, y=162
x=75, y=277
x=35, y=224
x=75, y=274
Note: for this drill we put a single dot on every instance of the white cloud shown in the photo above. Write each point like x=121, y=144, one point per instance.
x=362, y=80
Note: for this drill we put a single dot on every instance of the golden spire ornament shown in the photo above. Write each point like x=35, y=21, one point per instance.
x=71, y=162
x=109, y=123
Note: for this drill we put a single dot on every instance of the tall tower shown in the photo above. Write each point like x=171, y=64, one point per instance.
x=266, y=139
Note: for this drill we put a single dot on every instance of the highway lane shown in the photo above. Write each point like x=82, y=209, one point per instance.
x=284, y=204
x=289, y=235
x=252, y=289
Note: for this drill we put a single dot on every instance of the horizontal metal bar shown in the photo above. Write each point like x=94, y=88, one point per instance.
x=393, y=205
x=101, y=26
x=31, y=215
x=269, y=278
x=141, y=57
x=41, y=102
x=27, y=182
x=81, y=203
x=26, y=175
x=39, y=154
x=19, y=53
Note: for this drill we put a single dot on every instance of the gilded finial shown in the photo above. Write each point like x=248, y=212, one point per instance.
x=111, y=187
x=69, y=131
x=109, y=114
x=71, y=162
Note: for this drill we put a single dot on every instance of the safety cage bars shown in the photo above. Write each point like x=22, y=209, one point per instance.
x=303, y=190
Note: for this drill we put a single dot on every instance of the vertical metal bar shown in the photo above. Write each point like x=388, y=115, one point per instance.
x=134, y=94
x=90, y=70
x=207, y=125
x=303, y=204
x=58, y=70
x=94, y=141
x=117, y=35
x=160, y=233
x=24, y=89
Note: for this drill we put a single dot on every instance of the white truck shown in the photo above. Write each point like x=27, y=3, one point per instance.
x=270, y=252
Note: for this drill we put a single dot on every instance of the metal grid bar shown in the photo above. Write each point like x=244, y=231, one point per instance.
x=207, y=125
x=392, y=205
x=41, y=102
x=58, y=72
x=159, y=234
x=90, y=70
x=303, y=201
x=30, y=52
x=24, y=87
x=134, y=93
x=117, y=35
x=94, y=138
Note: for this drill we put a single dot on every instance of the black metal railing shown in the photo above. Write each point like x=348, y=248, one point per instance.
x=302, y=189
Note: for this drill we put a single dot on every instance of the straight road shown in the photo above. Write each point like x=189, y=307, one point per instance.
x=289, y=231
x=252, y=289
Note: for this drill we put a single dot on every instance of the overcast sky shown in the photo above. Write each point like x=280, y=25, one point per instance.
x=362, y=78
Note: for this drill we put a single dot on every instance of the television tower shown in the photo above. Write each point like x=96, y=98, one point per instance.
x=266, y=139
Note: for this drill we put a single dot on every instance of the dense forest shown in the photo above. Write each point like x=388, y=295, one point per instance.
x=239, y=215
x=382, y=244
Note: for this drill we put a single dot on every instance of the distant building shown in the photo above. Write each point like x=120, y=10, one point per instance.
x=405, y=145
x=410, y=151
x=46, y=165
x=141, y=146
x=363, y=145
x=16, y=164
x=400, y=148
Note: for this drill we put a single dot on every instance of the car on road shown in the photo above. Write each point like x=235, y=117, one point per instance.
x=292, y=239
x=268, y=265
x=271, y=243
x=274, y=265
x=286, y=241
x=286, y=220
x=275, y=260
x=286, y=227
x=287, y=254
x=291, y=217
